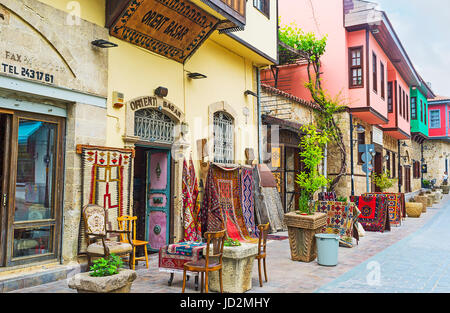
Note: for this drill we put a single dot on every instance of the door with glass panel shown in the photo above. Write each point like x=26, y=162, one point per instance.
x=33, y=197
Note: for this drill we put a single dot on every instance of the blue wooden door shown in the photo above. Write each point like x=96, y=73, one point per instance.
x=157, y=222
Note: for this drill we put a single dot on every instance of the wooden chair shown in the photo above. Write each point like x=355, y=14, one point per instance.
x=263, y=231
x=204, y=266
x=95, y=221
x=128, y=223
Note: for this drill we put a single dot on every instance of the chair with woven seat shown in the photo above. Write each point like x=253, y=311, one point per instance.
x=206, y=265
x=98, y=244
x=262, y=241
x=128, y=223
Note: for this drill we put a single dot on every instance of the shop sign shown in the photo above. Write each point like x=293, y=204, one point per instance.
x=16, y=64
x=156, y=103
x=172, y=28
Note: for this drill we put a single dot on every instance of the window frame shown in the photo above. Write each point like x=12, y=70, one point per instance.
x=375, y=72
x=382, y=80
x=400, y=103
x=413, y=108
x=352, y=67
x=439, y=115
x=390, y=98
x=219, y=158
x=266, y=10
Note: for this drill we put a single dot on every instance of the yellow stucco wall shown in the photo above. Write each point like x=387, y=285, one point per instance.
x=90, y=10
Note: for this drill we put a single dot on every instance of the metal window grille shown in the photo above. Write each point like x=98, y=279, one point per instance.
x=153, y=125
x=223, y=138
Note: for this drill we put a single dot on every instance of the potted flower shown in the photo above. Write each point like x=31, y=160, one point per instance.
x=305, y=222
x=106, y=275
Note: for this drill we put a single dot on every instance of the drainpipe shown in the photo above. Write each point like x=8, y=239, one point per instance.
x=351, y=155
x=258, y=91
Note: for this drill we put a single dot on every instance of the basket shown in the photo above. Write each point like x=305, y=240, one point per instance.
x=314, y=221
x=424, y=201
x=414, y=209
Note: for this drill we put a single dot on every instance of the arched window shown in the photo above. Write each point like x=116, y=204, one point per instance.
x=223, y=138
x=153, y=125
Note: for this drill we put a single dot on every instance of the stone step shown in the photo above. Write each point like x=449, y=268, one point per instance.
x=11, y=281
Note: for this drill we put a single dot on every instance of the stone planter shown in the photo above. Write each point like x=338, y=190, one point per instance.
x=302, y=230
x=445, y=189
x=237, y=267
x=414, y=209
x=423, y=200
x=118, y=283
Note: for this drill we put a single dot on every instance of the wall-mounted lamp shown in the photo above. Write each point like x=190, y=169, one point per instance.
x=101, y=43
x=375, y=31
x=404, y=144
x=161, y=92
x=386, y=158
x=196, y=75
x=249, y=92
x=359, y=129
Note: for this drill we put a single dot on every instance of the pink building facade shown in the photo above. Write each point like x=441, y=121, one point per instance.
x=365, y=65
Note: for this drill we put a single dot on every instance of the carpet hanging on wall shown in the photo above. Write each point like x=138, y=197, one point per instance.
x=340, y=220
x=374, y=213
x=106, y=181
x=191, y=204
x=394, y=205
x=221, y=207
x=248, y=201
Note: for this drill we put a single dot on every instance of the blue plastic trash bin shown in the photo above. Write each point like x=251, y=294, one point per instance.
x=327, y=249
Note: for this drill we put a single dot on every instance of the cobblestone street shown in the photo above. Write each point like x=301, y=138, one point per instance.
x=411, y=258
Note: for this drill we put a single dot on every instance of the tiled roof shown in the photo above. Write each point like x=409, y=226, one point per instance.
x=439, y=98
x=291, y=97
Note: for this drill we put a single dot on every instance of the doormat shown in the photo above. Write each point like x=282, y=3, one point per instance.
x=276, y=237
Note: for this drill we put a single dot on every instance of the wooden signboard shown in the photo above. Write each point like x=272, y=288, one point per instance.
x=172, y=28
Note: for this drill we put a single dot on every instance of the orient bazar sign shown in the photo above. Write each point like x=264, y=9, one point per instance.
x=172, y=28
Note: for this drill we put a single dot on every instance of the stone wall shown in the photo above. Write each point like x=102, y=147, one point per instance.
x=434, y=155
x=39, y=44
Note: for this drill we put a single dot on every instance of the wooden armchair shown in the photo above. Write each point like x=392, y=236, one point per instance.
x=98, y=244
x=263, y=231
x=204, y=266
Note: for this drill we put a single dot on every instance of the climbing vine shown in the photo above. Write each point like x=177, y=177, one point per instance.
x=310, y=49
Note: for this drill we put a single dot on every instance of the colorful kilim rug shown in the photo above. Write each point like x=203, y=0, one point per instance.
x=191, y=204
x=374, y=213
x=340, y=220
x=106, y=179
x=222, y=203
x=327, y=196
x=175, y=262
x=211, y=213
x=394, y=204
x=184, y=248
x=276, y=237
x=247, y=200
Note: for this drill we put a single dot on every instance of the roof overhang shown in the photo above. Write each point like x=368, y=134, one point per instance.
x=397, y=133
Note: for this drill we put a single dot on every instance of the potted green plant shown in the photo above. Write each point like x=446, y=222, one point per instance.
x=106, y=275
x=383, y=181
x=305, y=222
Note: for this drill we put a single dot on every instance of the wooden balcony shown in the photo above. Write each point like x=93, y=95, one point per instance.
x=231, y=12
